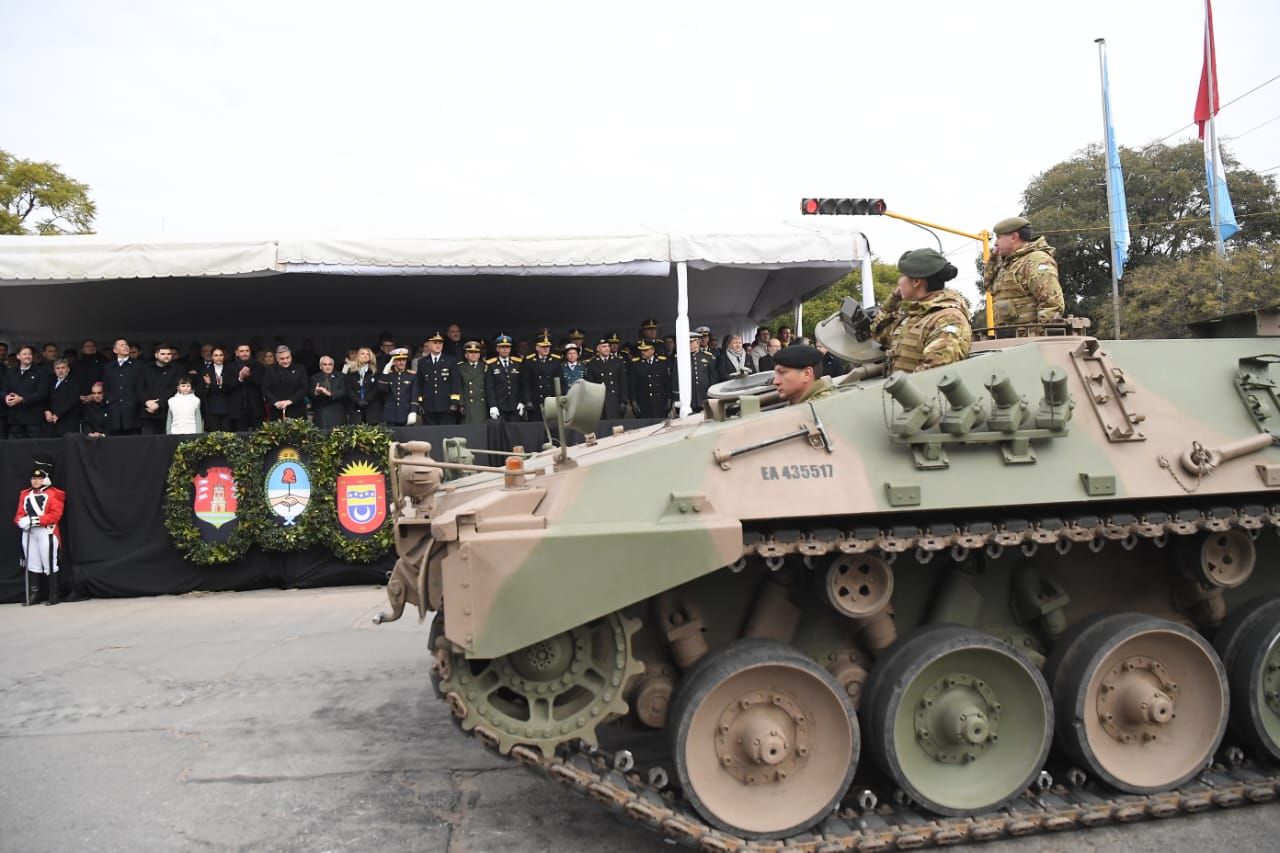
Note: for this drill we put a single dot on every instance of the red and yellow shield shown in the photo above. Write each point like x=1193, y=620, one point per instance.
x=362, y=498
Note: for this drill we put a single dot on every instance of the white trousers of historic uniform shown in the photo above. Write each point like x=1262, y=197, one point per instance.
x=35, y=546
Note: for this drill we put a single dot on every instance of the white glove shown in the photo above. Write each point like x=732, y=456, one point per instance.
x=386, y=368
x=493, y=412
x=520, y=409
x=25, y=522
x=412, y=419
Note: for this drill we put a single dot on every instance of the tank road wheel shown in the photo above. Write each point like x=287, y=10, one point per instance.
x=958, y=719
x=1249, y=643
x=1143, y=701
x=551, y=692
x=439, y=657
x=765, y=741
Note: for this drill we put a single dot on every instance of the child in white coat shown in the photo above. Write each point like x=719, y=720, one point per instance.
x=184, y=411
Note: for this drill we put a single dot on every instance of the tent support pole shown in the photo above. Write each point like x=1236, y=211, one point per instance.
x=868, y=277
x=684, y=366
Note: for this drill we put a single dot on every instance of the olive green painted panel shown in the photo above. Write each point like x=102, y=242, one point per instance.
x=575, y=574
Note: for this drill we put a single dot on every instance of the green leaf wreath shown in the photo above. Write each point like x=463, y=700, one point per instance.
x=309, y=528
x=179, y=514
x=362, y=438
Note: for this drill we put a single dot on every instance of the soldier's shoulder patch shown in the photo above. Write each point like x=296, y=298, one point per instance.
x=635, y=358
x=1042, y=267
x=493, y=360
x=515, y=359
x=556, y=357
x=950, y=329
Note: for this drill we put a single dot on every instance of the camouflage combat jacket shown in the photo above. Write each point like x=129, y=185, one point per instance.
x=1024, y=286
x=819, y=390
x=928, y=333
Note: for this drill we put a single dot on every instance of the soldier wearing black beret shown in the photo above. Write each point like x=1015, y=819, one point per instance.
x=797, y=374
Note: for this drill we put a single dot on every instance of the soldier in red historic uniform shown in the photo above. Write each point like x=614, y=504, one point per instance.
x=39, y=511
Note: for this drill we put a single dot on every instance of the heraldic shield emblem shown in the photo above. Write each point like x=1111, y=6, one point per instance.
x=215, y=496
x=288, y=487
x=362, y=498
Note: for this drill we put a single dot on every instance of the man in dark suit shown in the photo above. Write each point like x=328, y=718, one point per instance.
x=62, y=413
x=25, y=392
x=158, y=382
x=120, y=386
x=284, y=386
x=244, y=400
x=328, y=395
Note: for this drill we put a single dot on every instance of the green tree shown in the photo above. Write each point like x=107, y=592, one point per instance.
x=1162, y=297
x=826, y=303
x=1168, y=215
x=38, y=198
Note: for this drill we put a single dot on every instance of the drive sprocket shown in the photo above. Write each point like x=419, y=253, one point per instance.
x=548, y=693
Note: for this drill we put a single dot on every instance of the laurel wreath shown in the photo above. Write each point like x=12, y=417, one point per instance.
x=363, y=438
x=179, y=512
x=308, y=530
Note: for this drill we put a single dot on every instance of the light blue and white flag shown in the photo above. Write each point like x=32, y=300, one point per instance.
x=1117, y=206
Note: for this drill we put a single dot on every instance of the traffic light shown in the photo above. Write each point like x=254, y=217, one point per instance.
x=843, y=206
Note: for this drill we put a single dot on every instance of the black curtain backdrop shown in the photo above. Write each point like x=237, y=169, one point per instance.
x=114, y=540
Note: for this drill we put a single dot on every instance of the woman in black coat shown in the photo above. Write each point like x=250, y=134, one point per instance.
x=219, y=380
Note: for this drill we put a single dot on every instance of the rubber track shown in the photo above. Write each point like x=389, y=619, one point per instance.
x=1060, y=808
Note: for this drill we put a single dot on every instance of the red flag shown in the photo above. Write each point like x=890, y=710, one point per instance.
x=1208, y=74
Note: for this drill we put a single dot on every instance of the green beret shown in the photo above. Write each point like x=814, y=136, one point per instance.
x=1008, y=226
x=799, y=356
x=921, y=263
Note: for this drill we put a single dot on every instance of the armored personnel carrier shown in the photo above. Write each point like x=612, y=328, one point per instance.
x=1034, y=590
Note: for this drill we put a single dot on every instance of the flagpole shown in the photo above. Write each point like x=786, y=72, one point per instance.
x=1215, y=215
x=1106, y=170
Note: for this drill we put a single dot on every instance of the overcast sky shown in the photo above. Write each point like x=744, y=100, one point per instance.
x=288, y=119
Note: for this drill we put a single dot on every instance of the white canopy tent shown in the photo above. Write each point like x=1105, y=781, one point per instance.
x=342, y=291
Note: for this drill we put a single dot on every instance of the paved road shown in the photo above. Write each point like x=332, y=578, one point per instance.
x=284, y=720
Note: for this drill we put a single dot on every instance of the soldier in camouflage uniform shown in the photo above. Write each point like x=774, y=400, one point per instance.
x=923, y=324
x=1023, y=276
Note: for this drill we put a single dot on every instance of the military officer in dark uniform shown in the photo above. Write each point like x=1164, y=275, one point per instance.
x=577, y=336
x=468, y=385
x=503, y=384
x=702, y=369
x=397, y=387
x=610, y=372
x=649, y=332
x=120, y=390
x=285, y=385
x=540, y=373
x=616, y=350
x=435, y=394
x=571, y=370
x=649, y=382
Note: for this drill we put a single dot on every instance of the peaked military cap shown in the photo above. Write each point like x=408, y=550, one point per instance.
x=436, y=336
x=502, y=341
x=1008, y=226
x=399, y=352
x=577, y=334
x=644, y=344
x=798, y=356
x=613, y=338
x=472, y=346
x=543, y=341
x=703, y=330
x=604, y=341
x=921, y=263
x=571, y=346
x=649, y=324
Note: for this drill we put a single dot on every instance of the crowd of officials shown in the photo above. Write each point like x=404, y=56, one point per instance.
x=444, y=379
